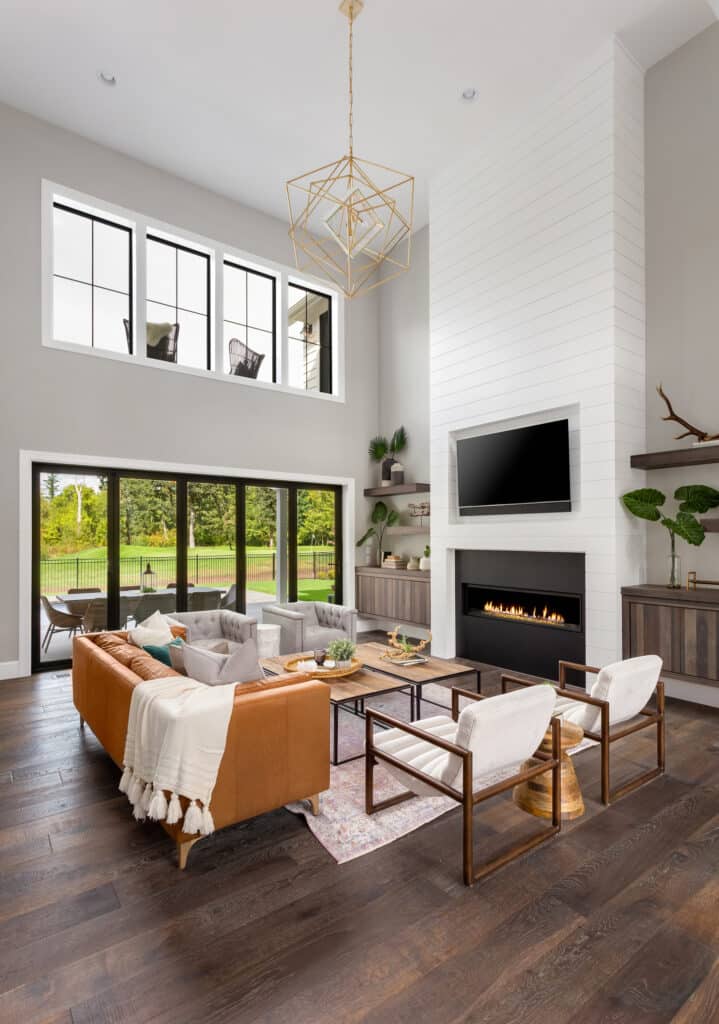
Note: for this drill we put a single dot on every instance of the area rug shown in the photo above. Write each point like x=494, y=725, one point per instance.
x=346, y=831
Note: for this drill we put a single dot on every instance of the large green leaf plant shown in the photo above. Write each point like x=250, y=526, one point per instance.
x=381, y=517
x=646, y=503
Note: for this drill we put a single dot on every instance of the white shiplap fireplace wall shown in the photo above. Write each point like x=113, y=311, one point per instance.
x=537, y=311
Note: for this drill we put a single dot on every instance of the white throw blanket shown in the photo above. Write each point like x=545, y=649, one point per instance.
x=176, y=736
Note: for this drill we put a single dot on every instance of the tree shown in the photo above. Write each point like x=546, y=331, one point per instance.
x=51, y=485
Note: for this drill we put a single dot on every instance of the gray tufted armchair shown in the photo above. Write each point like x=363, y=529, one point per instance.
x=207, y=627
x=310, y=625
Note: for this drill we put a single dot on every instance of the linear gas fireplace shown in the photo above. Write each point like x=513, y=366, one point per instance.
x=530, y=607
x=521, y=610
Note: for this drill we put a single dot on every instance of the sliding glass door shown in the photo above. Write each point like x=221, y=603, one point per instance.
x=267, y=511
x=211, y=546
x=111, y=547
x=148, y=564
x=316, y=560
x=70, y=563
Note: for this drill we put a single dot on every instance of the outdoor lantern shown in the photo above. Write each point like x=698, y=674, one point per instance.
x=148, y=580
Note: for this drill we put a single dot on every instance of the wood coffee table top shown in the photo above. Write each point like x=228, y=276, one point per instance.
x=361, y=684
x=432, y=671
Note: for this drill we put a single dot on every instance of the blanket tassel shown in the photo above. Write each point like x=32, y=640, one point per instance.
x=126, y=779
x=208, y=825
x=174, y=810
x=193, y=819
x=158, y=806
x=134, y=792
x=147, y=797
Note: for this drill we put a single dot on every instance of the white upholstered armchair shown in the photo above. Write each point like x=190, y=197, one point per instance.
x=616, y=706
x=470, y=757
x=311, y=625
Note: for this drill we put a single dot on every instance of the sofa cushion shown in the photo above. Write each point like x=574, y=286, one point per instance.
x=317, y=637
x=154, y=630
x=210, y=667
x=121, y=650
x=161, y=652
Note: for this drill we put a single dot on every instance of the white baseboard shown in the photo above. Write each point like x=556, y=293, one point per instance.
x=9, y=669
x=693, y=693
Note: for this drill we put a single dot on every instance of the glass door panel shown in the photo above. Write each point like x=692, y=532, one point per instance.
x=211, y=546
x=148, y=548
x=316, y=564
x=71, y=562
x=267, y=547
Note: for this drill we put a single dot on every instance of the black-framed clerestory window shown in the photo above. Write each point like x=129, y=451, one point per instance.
x=250, y=314
x=179, y=292
x=309, y=339
x=92, y=276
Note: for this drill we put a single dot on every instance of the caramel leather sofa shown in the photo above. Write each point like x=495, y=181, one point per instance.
x=277, y=742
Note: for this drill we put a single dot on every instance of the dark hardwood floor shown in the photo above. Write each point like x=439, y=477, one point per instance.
x=615, y=920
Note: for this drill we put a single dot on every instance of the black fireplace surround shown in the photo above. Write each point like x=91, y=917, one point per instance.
x=521, y=610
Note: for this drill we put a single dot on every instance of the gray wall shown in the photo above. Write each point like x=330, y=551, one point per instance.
x=404, y=372
x=682, y=179
x=63, y=402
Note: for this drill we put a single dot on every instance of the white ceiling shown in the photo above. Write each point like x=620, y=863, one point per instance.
x=240, y=96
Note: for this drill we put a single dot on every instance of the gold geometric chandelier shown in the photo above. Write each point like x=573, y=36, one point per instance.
x=352, y=218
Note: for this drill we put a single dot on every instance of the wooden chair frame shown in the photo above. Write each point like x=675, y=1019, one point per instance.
x=605, y=737
x=466, y=796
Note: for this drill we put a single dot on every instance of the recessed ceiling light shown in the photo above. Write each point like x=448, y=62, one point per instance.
x=469, y=94
x=106, y=78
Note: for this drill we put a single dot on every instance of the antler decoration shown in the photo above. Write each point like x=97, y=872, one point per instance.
x=690, y=430
x=403, y=648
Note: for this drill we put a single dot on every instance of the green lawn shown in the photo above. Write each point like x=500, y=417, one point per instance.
x=307, y=590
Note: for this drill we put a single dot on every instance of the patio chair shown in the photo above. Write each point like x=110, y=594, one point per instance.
x=230, y=598
x=60, y=620
x=470, y=757
x=166, y=347
x=95, y=618
x=244, y=361
x=621, y=693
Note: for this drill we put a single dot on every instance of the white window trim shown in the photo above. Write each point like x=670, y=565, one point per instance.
x=219, y=251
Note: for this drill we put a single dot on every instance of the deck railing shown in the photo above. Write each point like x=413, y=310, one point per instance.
x=58, y=575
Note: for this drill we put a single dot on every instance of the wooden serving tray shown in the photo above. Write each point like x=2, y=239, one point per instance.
x=321, y=672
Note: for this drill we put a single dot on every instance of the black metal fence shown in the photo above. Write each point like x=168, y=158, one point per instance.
x=58, y=575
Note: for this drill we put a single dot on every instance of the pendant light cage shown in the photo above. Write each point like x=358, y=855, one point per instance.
x=352, y=219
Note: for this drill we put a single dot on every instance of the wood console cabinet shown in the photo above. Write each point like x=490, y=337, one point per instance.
x=393, y=594
x=681, y=626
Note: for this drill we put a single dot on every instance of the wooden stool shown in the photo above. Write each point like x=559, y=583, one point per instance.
x=535, y=796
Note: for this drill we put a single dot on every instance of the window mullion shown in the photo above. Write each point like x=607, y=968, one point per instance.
x=219, y=308
x=140, y=312
x=282, y=340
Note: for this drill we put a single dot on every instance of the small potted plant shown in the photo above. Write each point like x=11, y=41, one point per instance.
x=383, y=451
x=342, y=652
x=424, y=562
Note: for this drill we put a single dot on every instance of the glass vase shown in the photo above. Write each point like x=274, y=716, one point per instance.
x=675, y=571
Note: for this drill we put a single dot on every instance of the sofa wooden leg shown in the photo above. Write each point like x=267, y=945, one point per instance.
x=183, y=851
x=82, y=722
x=315, y=803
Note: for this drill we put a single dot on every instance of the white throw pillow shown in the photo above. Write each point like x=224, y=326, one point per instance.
x=241, y=666
x=154, y=630
x=177, y=656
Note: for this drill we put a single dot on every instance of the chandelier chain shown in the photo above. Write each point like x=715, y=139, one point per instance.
x=350, y=70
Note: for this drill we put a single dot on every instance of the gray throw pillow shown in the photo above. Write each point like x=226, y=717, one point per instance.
x=241, y=666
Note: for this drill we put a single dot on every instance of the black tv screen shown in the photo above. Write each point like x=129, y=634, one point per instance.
x=522, y=470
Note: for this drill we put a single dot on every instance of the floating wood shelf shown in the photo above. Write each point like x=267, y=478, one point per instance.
x=710, y=525
x=400, y=531
x=676, y=458
x=381, y=492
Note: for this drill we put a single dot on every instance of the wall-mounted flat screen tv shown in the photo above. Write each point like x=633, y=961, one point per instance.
x=514, y=471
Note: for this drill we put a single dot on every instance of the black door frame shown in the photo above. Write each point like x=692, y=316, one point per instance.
x=114, y=476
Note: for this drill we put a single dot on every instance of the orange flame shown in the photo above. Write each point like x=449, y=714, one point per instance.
x=517, y=611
